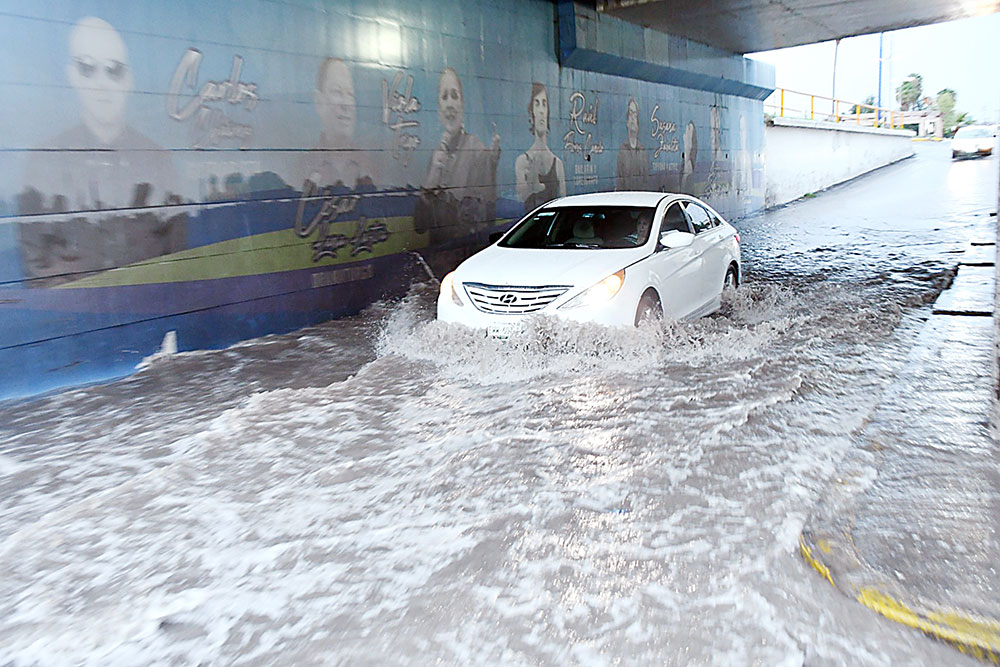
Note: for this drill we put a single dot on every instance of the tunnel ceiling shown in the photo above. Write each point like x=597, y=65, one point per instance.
x=747, y=26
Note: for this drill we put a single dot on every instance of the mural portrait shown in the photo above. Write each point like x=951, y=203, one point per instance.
x=715, y=124
x=460, y=185
x=718, y=181
x=102, y=163
x=540, y=174
x=742, y=174
x=689, y=155
x=633, y=160
x=335, y=158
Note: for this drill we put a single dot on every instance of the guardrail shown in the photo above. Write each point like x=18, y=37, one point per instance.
x=784, y=103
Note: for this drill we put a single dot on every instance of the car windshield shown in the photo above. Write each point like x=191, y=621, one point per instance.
x=583, y=227
x=972, y=133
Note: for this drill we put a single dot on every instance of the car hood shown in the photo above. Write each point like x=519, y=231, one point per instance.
x=972, y=143
x=534, y=267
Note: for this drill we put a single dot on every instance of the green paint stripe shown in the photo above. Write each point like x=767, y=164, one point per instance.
x=273, y=252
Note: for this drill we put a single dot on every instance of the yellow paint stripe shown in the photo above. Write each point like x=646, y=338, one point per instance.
x=807, y=554
x=271, y=252
x=978, y=637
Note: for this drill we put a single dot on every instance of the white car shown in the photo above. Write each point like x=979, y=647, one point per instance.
x=613, y=258
x=973, y=140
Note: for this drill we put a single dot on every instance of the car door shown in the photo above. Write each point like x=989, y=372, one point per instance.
x=708, y=237
x=674, y=272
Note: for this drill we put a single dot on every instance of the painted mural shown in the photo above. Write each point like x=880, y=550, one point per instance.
x=540, y=174
x=226, y=171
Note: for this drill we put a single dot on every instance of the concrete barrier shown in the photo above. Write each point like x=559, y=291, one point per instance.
x=804, y=156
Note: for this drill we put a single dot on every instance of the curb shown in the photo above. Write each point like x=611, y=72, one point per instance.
x=973, y=635
x=828, y=540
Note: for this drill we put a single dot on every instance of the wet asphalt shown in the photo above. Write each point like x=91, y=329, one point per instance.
x=915, y=513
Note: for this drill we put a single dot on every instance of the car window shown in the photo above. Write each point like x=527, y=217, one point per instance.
x=674, y=219
x=583, y=227
x=701, y=219
x=972, y=133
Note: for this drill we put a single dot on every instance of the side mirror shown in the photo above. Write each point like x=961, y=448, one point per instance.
x=672, y=238
x=495, y=236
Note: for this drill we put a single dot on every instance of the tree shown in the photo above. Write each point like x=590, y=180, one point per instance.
x=951, y=117
x=945, y=104
x=859, y=109
x=963, y=119
x=908, y=93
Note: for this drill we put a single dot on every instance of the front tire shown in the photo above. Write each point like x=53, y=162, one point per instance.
x=649, y=308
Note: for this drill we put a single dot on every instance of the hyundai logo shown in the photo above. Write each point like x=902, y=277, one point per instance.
x=508, y=299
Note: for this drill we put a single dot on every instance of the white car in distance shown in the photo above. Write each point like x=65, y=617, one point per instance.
x=973, y=141
x=612, y=258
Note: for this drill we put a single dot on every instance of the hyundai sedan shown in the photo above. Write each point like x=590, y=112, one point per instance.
x=614, y=258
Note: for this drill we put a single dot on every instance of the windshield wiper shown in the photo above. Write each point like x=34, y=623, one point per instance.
x=573, y=245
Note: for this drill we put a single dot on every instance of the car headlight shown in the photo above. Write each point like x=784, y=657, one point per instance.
x=448, y=288
x=600, y=293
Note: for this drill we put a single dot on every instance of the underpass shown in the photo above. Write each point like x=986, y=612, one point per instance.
x=385, y=489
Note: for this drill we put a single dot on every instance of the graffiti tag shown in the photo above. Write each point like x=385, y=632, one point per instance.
x=716, y=187
x=661, y=130
x=581, y=113
x=367, y=233
x=401, y=104
x=212, y=125
x=585, y=174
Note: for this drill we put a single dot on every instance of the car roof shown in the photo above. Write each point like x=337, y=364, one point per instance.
x=629, y=198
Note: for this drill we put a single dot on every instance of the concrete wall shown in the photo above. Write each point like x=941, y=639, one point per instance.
x=803, y=156
x=225, y=170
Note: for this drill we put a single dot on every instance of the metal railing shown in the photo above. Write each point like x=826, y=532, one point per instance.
x=784, y=103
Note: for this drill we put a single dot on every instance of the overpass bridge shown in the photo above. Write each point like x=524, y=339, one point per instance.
x=749, y=26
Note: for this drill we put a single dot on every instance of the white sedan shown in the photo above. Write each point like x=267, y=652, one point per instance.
x=613, y=258
x=972, y=141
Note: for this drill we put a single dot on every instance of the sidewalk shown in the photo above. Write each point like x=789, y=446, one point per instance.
x=912, y=527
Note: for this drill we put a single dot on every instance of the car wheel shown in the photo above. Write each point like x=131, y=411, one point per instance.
x=649, y=308
x=730, y=281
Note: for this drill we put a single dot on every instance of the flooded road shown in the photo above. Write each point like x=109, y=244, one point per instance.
x=388, y=489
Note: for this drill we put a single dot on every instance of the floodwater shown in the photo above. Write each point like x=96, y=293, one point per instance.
x=387, y=489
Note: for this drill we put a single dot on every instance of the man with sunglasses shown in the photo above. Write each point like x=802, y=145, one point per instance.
x=102, y=163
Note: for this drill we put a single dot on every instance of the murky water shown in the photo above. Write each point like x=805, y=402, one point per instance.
x=391, y=490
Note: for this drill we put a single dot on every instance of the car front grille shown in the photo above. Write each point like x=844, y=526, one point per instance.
x=512, y=300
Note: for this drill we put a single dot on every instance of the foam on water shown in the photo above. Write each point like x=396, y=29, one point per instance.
x=748, y=322
x=470, y=499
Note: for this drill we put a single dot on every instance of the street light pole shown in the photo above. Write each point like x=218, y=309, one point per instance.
x=880, y=36
x=833, y=89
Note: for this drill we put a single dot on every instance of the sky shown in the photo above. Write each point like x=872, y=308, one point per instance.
x=962, y=55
